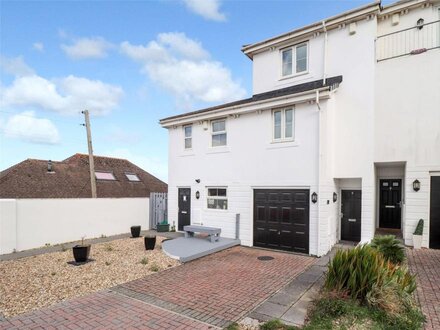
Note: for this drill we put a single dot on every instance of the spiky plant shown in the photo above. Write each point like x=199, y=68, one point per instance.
x=389, y=247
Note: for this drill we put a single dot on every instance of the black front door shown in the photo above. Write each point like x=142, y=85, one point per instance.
x=281, y=219
x=184, y=208
x=351, y=205
x=434, y=214
x=390, y=203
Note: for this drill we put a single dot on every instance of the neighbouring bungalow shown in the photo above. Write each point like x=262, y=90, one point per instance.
x=70, y=178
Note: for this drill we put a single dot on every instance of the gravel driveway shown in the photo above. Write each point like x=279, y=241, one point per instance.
x=39, y=281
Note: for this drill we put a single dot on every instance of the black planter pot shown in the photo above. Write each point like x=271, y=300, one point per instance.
x=150, y=242
x=135, y=231
x=81, y=253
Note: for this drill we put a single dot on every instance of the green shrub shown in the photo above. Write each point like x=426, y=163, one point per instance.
x=144, y=261
x=276, y=325
x=389, y=247
x=355, y=272
x=154, y=268
x=419, y=228
x=336, y=313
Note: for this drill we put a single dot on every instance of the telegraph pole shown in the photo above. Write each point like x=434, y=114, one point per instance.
x=91, y=160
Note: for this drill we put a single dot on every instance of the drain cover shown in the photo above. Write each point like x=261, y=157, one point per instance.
x=265, y=258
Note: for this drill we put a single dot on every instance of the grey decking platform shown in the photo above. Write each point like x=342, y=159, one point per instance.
x=187, y=249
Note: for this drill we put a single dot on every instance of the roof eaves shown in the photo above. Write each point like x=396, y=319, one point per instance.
x=258, y=98
x=250, y=49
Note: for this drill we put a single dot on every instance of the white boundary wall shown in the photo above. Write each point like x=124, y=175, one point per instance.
x=31, y=223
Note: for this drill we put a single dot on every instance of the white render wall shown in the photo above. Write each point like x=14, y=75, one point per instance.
x=250, y=161
x=32, y=223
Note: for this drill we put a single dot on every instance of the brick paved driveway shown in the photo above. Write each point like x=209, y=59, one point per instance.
x=205, y=293
x=426, y=265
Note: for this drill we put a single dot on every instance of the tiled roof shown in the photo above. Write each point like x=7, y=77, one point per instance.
x=308, y=86
x=70, y=179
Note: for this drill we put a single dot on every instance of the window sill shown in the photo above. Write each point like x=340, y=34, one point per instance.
x=282, y=144
x=187, y=153
x=294, y=75
x=218, y=150
x=216, y=210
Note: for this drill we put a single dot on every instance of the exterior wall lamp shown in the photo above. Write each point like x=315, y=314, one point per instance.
x=335, y=197
x=416, y=185
x=314, y=198
x=198, y=180
x=197, y=194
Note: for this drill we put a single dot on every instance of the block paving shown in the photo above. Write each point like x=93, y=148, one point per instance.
x=206, y=293
x=425, y=263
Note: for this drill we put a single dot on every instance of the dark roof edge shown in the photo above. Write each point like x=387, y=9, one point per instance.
x=304, y=87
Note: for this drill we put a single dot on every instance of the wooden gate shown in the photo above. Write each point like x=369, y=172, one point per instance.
x=158, y=208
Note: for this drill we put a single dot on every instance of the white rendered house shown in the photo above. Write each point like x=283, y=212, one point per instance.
x=343, y=123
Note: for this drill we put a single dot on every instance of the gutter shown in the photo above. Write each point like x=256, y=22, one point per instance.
x=178, y=121
x=332, y=22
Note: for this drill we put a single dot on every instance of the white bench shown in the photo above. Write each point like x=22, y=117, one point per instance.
x=213, y=233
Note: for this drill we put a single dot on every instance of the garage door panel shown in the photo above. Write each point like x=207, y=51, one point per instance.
x=260, y=236
x=281, y=219
x=286, y=215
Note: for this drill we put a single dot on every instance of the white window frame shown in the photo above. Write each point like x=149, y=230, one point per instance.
x=293, y=48
x=219, y=132
x=283, y=125
x=106, y=172
x=225, y=198
x=187, y=137
x=127, y=175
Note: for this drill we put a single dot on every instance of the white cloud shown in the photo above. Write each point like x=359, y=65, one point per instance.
x=181, y=66
x=38, y=46
x=83, y=48
x=15, y=66
x=67, y=95
x=208, y=9
x=28, y=128
x=153, y=165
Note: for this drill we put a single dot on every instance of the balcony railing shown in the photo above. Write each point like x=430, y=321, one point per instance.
x=411, y=41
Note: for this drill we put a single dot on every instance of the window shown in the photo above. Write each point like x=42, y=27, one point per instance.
x=218, y=131
x=188, y=136
x=283, y=124
x=217, y=199
x=132, y=177
x=294, y=60
x=105, y=176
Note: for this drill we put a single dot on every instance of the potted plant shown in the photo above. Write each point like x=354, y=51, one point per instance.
x=149, y=241
x=418, y=235
x=135, y=231
x=163, y=226
x=81, y=252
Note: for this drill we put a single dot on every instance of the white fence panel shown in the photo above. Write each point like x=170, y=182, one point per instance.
x=31, y=223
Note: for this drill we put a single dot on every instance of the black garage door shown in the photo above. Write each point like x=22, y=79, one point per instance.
x=281, y=219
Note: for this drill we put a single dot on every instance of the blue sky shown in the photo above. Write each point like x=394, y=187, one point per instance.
x=130, y=63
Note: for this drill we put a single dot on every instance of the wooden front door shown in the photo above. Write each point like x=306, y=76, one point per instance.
x=434, y=214
x=184, y=217
x=351, y=206
x=390, y=203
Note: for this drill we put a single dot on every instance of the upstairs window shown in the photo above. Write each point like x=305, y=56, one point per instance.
x=294, y=60
x=283, y=125
x=132, y=177
x=105, y=176
x=218, y=132
x=188, y=136
x=217, y=198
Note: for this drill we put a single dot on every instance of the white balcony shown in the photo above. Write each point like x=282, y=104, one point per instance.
x=407, y=42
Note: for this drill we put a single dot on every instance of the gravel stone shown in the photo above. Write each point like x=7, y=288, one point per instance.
x=39, y=281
